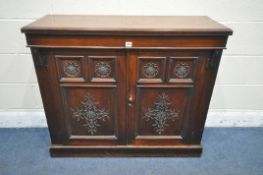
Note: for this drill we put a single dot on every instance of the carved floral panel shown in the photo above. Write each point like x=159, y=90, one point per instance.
x=91, y=113
x=102, y=69
x=161, y=113
x=71, y=69
x=181, y=70
x=150, y=70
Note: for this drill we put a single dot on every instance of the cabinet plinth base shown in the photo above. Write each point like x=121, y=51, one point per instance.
x=124, y=151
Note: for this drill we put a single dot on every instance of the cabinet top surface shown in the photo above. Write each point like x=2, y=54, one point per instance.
x=156, y=25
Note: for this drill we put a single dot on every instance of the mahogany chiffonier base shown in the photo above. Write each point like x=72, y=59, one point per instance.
x=126, y=85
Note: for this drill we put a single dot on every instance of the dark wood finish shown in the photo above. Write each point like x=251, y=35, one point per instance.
x=126, y=86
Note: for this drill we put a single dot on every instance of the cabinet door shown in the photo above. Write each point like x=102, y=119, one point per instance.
x=92, y=94
x=160, y=92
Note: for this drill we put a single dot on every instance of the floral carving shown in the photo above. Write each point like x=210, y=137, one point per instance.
x=71, y=69
x=150, y=70
x=161, y=113
x=182, y=70
x=90, y=113
x=102, y=69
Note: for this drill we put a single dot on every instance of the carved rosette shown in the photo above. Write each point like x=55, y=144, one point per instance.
x=182, y=70
x=90, y=114
x=150, y=70
x=161, y=113
x=102, y=69
x=71, y=69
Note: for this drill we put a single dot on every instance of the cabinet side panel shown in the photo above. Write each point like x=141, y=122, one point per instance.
x=203, y=93
x=43, y=67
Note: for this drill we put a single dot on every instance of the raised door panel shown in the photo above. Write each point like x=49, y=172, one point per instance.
x=92, y=92
x=91, y=112
x=160, y=112
x=160, y=105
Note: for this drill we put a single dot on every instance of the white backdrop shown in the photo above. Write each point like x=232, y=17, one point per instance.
x=239, y=86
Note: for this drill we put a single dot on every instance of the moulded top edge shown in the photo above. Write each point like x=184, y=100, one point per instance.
x=126, y=25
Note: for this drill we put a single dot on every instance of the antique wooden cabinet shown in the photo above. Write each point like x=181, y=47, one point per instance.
x=126, y=85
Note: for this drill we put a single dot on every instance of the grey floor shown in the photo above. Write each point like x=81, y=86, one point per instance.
x=233, y=151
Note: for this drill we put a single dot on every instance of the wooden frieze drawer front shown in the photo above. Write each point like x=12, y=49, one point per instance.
x=126, y=85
